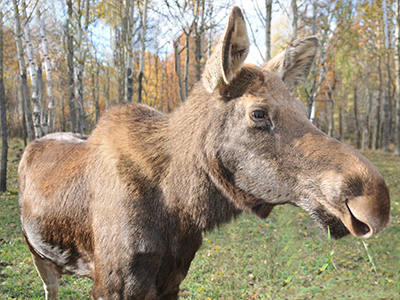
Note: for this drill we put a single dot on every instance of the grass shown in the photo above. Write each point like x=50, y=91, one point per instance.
x=283, y=257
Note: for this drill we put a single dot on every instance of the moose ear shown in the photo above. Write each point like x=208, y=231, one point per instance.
x=229, y=53
x=294, y=63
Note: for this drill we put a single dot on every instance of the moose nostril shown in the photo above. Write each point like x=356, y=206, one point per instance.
x=361, y=229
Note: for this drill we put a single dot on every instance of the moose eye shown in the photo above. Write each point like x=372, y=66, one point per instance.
x=261, y=118
x=259, y=115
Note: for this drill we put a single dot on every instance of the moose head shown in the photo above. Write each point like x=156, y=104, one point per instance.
x=266, y=152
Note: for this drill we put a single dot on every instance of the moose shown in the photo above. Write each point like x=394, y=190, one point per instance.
x=127, y=205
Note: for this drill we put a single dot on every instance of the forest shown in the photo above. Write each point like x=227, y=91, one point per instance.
x=64, y=63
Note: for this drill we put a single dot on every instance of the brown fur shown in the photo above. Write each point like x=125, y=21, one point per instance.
x=127, y=207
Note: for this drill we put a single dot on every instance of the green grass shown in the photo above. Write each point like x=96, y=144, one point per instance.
x=283, y=257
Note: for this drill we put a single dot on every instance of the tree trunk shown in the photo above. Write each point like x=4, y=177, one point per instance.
x=366, y=131
x=128, y=28
x=107, y=89
x=143, y=50
x=82, y=51
x=70, y=59
x=24, y=129
x=178, y=69
x=198, y=51
x=357, y=124
x=331, y=128
x=294, y=19
x=268, y=7
x=95, y=95
x=386, y=136
x=186, y=78
x=33, y=74
x=341, y=131
x=316, y=88
x=22, y=67
x=81, y=110
x=377, y=124
x=397, y=63
x=389, y=83
x=43, y=111
x=49, y=71
x=3, y=117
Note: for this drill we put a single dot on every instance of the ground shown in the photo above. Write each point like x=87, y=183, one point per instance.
x=283, y=257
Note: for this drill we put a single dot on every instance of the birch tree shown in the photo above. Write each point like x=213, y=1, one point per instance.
x=268, y=17
x=82, y=52
x=293, y=4
x=397, y=63
x=48, y=69
x=32, y=72
x=22, y=68
x=128, y=29
x=3, y=116
x=71, y=66
x=143, y=24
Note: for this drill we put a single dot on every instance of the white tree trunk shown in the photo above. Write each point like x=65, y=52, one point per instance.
x=268, y=7
x=71, y=66
x=32, y=72
x=82, y=51
x=22, y=67
x=143, y=49
x=313, y=114
x=294, y=19
x=128, y=28
x=397, y=62
x=3, y=117
x=47, y=63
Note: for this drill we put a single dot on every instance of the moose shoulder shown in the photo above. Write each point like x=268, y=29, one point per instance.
x=127, y=207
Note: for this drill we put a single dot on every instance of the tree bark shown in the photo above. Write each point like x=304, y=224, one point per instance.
x=3, y=117
x=341, y=131
x=268, y=17
x=294, y=18
x=49, y=71
x=377, y=124
x=397, y=64
x=22, y=67
x=178, y=69
x=186, y=78
x=357, y=124
x=107, y=89
x=82, y=51
x=95, y=95
x=366, y=131
x=71, y=66
x=386, y=136
x=143, y=50
x=331, y=128
x=313, y=113
x=128, y=28
x=43, y=111
x=33, y=73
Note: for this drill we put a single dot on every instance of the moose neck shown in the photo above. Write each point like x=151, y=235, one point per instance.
x=190, y=191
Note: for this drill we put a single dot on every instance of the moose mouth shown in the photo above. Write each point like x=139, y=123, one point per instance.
x=329, y=223
x=337, y=227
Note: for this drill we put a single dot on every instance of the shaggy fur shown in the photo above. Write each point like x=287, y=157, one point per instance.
x=127, y=206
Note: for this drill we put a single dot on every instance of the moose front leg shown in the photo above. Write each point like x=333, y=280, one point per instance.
x=49, y=275
x=127, y=279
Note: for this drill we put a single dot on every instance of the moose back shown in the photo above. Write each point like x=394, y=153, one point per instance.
x=127, y=207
